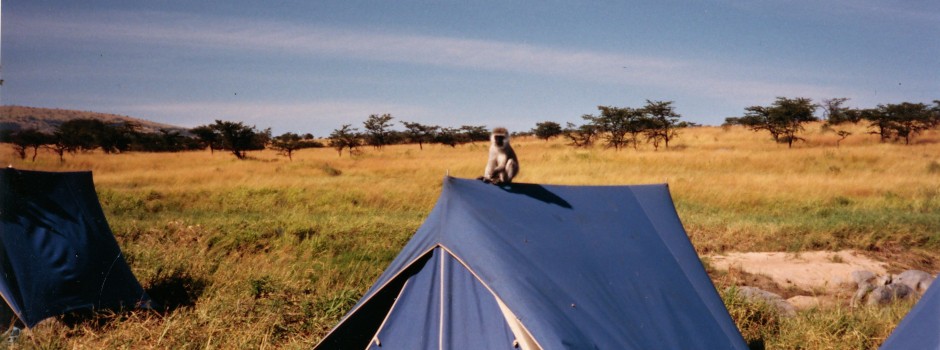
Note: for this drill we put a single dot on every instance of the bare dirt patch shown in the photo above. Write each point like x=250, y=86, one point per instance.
x=819, y=272
x=812, y=279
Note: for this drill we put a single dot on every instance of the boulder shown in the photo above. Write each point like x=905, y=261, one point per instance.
x=867, y=282
x=918, y=280
x=760, y=295
x=888, y=293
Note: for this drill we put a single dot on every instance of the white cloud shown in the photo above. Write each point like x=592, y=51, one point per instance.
x=260, y=37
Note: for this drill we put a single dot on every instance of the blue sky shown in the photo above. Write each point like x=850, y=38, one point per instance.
x=311, y=66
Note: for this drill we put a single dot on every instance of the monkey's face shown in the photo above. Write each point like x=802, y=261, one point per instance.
x=499, y=137
x=499, y=140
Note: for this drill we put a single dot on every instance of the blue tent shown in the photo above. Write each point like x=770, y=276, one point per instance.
x=543, y=267
x=57, y=253
x=920, y=329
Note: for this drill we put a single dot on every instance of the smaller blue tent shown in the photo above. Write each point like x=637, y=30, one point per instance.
x=920, y=328
x=543, y=267
x=57, y=253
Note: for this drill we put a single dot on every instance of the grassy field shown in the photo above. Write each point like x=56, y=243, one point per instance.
x=270, y=253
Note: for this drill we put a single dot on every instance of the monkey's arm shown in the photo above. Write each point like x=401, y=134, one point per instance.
x=500, y=163
x=509, y=163
x=512, y=168
x=491, y=167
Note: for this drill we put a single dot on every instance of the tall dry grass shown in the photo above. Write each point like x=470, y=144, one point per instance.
x=270, y=253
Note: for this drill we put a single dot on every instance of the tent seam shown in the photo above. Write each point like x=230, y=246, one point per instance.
x=440, y=337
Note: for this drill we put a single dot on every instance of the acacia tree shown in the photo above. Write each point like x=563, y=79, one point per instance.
x=547, y=130
x=783, y=119
x=900, y=121
x=165, y=140
x=448, y=136
x=62, y=142
x=580, y=136
x=238, y=138
x=26, y=139
x=377, y=130
x=80, y=134
x=345, y=137
x=287, y=143
x=662, y=122
x=615, y=123
x=116, y=138
x=836, y=114
x=611, y=124
x=756, y=118
x=75, y=135
x=906, y=120
x=208, y=137
x=791, y=114
x=878, y=121
x=419, y=133
x=473, y=133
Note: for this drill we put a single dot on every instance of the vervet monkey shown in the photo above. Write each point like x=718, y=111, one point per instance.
x=503, y=164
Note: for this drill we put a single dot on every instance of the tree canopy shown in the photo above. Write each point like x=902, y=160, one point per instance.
x=547, y=130
x=346, y=137
x=783, y=119
x=378, y=133
x=235, y=137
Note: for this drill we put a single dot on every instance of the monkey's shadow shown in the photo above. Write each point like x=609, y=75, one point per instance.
x=537, y=192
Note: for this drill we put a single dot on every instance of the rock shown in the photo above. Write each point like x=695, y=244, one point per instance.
x=760, y=295
x=12, y=335
x=918, y=280
x=888, y=293
x=866, y=282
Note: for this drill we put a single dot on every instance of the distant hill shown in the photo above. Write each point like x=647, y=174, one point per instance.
x=48, y=119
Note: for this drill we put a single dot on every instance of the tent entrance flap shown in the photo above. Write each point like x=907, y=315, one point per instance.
x=436, y=303
x=444, y=306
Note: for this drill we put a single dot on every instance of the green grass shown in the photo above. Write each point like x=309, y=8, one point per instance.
x=834, y=328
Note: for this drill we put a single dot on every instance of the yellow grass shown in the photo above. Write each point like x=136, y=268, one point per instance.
x=275, y=251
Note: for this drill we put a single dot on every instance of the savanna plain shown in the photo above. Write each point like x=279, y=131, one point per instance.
x=271, y=253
